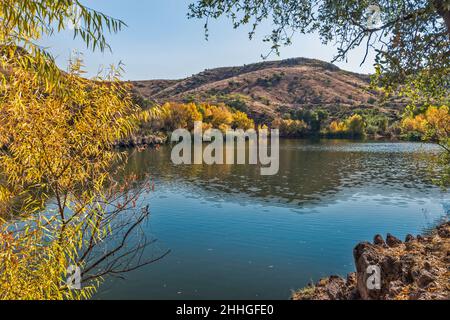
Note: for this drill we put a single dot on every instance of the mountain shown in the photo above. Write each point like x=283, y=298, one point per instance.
x=269, y=89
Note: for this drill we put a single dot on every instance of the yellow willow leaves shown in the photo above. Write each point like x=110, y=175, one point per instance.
x=242, y=121
x=62, y=141
x=56, y=135
x=56, y=144
x=34, y=265
x=23, y=22
x=338, y=127
x=289, y=128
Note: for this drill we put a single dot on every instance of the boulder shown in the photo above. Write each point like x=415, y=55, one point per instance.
x=379, y=241
x=366, y=255
x=424, y=278
x=392, y=241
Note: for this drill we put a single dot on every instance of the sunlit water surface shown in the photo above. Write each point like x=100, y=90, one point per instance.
x=235, y=234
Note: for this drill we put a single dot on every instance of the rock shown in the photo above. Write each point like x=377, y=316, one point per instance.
x=351, y=293
x=332, y=288
x=420, y=295
x=335, y=287
x=395, y=288
x=351, y=279
x=411, y=246
x=408, y=261
x=391, y=267
x=418, y=270
x=392, y=241
x=366, y=256
x=444, y=230
x=409, y=238
x=425, y=278
x=379, y=241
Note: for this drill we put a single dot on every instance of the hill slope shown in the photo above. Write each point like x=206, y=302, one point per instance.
x=269, y=89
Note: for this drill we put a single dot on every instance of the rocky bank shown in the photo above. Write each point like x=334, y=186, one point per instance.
x=416, y=269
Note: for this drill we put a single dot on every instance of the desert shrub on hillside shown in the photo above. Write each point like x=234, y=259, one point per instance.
x=371, y=100
x=238, y=102
x=270, y=81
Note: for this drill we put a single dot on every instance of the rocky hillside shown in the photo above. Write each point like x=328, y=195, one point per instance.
x=272, y=88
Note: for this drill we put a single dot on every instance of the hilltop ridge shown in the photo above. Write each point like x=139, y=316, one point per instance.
x=271, y=88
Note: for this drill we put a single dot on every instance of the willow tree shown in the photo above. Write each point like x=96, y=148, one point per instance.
x=58, y=203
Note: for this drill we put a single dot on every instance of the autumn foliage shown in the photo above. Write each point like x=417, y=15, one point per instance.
x=433, y=124
x=289, y=127
x=353, y=127
x=174, y=116
x=58, y=200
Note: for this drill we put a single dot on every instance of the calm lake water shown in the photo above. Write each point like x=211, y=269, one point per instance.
x=235, y=234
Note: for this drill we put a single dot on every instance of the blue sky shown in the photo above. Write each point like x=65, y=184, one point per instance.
x=161, y=43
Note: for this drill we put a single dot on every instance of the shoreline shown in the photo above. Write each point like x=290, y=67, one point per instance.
x=415, y=269
x=158, y=139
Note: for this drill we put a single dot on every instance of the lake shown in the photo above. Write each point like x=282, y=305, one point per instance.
x=234, y=234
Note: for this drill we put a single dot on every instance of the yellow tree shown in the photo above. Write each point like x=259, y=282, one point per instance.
x=57, y=199
x=432, y=125
x=221, y=117
x=356, y=125
x=242, y=121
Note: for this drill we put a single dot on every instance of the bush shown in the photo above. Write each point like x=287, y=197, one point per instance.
x=290, y=128
x=353, y=127
x=356, y=126
x=238, y=102
x=314, y=119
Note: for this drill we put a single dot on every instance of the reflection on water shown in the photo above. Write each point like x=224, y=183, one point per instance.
x=237, y=234
x=309, y=173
